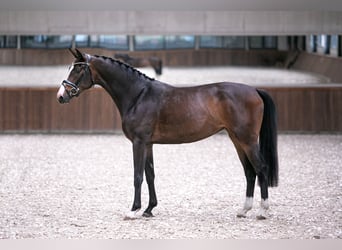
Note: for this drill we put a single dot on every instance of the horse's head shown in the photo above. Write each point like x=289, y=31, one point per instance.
x=79, y=78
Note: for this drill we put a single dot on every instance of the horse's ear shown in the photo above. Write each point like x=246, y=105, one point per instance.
x=80, y=55
x=77, y=54
x=73, y=52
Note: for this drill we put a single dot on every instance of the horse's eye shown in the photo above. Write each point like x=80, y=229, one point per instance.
x=77, y=68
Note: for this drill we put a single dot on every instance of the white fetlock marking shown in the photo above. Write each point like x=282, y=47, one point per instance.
x=264, y=206
x=132, y=215
x=247, y=206
x=248, y=203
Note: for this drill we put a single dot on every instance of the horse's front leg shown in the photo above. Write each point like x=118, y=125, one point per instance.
x=149, y=172
x=139, y=159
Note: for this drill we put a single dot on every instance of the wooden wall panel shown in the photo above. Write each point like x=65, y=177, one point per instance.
x=36, y=109
x=300, y=109
x=308, y=109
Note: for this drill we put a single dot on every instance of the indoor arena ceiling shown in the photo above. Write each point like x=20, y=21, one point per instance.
x=172, y=5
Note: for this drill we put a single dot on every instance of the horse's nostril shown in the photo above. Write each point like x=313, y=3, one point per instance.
x=61, y=99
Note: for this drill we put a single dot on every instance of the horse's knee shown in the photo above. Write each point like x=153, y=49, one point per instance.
x=138, y=180
x=149, y=172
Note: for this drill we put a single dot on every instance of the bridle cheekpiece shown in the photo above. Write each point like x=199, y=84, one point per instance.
x=72, y=88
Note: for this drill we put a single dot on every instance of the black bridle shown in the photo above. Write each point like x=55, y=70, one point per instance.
x=71, y=88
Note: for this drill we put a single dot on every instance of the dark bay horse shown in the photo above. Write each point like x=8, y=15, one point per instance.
x=155, y=112
x=154, y=62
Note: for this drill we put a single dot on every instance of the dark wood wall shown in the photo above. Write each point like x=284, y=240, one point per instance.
x=328, y=66
x=300, y=109
x=309, y=109
x=37, y=109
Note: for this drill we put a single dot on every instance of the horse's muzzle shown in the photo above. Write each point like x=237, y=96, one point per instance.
x=61, y=97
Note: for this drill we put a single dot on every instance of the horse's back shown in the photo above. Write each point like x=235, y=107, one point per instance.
x=217, y=94
x=223, y=93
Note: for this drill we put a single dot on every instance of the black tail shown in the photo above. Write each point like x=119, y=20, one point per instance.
x=268, y=138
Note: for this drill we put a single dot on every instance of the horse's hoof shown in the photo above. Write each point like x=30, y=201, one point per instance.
x=261, y=217
x=147, y=214
x=241, y=216
x=132, y=215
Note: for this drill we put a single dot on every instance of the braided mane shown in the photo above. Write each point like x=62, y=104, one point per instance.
x=125, y=66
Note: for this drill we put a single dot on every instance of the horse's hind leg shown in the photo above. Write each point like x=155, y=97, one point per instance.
x=254, y=156
x=253, y=163
x=250, y=178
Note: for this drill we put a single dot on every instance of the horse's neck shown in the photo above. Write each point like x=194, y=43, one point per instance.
x=121, y=88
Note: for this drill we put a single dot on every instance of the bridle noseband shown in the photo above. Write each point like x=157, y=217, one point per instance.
x=74, y=89
x=71, y=88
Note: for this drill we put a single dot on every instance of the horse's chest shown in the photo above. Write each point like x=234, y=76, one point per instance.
x=138, y=125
